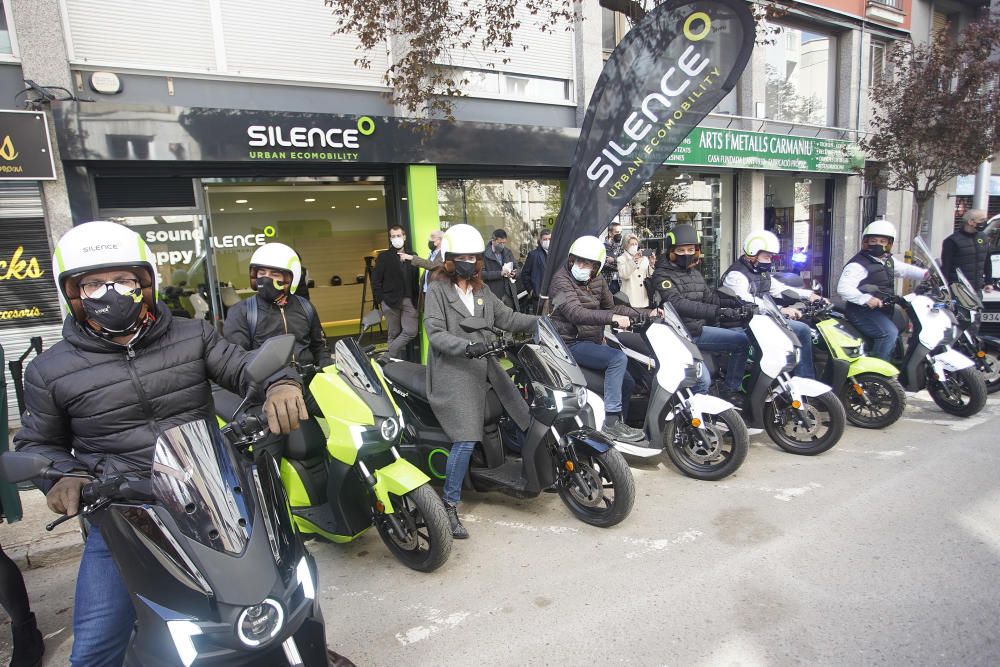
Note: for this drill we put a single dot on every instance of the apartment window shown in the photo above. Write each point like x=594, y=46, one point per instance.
x=877, y=59
x=6, y=39
x=614, y=25
x=801, y=76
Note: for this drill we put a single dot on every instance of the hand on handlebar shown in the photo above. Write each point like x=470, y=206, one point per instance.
x=474, y=350
x=621, y=321
x=874, y=302
x=791, y=313
x=64, y=496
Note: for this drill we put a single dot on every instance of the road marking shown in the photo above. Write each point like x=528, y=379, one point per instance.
x=794, y=492
x=438, y=623
x=650, y=545
x=520, y=525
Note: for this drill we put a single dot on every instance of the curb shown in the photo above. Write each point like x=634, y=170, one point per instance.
x=47, y=551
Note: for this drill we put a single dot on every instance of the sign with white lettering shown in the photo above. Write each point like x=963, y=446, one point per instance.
x=710, y=147
x=25, y=150
x=26, y=282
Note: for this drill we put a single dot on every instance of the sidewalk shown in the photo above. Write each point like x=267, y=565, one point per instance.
x=30, y=545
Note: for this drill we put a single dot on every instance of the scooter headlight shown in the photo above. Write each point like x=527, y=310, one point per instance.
x=389, y=428
x=855, y=351
x=260, y=623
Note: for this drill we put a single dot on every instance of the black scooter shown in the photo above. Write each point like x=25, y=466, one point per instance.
x=205, y=544
x=983, y=350
x=559, y=452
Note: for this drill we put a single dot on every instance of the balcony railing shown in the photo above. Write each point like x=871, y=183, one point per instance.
x=895, y=4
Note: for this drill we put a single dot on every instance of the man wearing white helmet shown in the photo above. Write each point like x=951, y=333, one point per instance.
x=875, y=266
x=750, y=278
x=582, y=306
x=97, y=400
x=275, y=271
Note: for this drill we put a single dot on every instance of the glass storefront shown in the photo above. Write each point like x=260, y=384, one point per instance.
x=519, y=206
x=797, y=210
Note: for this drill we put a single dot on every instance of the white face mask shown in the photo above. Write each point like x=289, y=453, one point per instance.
x=581, y=274
x=632, y=249
x=397, y=242
x=545, y=245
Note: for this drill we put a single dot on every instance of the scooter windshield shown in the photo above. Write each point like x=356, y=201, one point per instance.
x=197, y=480
x=924, y=254
x=769, y=307
x=353, y=364
x=965, y=293
x=672, y=319
x=549, y=360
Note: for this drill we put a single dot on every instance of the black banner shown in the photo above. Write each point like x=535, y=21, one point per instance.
x=669, y=71
x=25, y=152
x=26, y=281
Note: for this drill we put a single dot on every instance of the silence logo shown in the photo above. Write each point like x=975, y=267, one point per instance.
x=277, y=136
x=7, y=151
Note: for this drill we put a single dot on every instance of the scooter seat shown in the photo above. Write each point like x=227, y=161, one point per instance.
x=595, y=380
x=226, y=403
x=634, y=341
x=408, y=375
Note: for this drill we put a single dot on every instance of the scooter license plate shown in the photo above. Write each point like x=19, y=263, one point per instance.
x=991, y=317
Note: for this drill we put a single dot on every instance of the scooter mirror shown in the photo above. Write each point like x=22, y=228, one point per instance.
x=270, y=358
x=622, y=299
x=20, y=466
x=471, y=324
x=371, y=318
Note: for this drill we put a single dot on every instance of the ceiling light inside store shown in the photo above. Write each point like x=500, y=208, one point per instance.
x=250, y=209
x=403, y=198
x=373, y=199
x=309, y=199
x=357, y=206
x=221, y=210
x=333, y=207
x=241, y=201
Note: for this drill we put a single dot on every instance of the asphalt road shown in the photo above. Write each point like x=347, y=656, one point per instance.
x=885, y=550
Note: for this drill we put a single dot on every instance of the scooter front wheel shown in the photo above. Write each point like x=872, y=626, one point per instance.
x=872, y=400
x=989, y=368
x=811, y=429
x=600, y=490
x=713, y=451
x=423, y=541
x=962, y=393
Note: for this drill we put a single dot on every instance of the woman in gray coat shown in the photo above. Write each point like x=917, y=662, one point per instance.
x=458, y=381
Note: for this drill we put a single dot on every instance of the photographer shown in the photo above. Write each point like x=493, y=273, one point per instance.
x=634, y=266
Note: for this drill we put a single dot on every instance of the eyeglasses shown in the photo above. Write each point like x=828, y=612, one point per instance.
x=95, y=289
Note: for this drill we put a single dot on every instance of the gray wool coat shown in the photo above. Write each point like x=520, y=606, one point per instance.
x=456, y=386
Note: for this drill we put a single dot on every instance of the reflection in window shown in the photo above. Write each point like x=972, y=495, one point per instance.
x=800, y=74
x=518, y=206
x=128, y=147
x=5, y=44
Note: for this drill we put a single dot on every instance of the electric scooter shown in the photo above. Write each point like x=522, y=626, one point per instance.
x=983, y=350
x=216, y=571
x=801, y=415
x=868, y=387
x=559, y=451
x=704, y=436
x=343, y=472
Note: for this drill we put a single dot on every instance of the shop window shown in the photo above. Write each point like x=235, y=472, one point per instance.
x=518, y=206
x=6, y=41
x=797, y=211
x=801, y=75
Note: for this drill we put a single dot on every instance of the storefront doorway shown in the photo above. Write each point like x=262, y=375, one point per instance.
x=799, y=211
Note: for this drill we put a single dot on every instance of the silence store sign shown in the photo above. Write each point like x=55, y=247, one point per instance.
x=707, y=147
x=277, y=142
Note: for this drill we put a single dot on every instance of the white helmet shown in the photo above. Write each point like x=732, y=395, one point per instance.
x=761, y=241
x=275, y=256
x=101, y=246
x=462, y=240
x=589, y=247
x=880, y=227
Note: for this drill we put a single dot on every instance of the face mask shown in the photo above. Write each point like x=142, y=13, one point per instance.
x=268, y=291
x=397, y=242
x=465, y=269
x=876, y=250
x=580, y=275
x=545, y=246
x=115, y=313
x=762, y=267
x=981, y=226
x=617, y=238
x=632, y=249
x=684, y=261
x=430, y=246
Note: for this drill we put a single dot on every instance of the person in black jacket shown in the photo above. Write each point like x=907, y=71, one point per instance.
x=96, y=401
x=534, y=269
x=395, y=286
x=969, y=250
x=679, y=282
x=500, y=269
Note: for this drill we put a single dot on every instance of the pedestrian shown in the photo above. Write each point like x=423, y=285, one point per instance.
x=500, y=270
x=28, y=645
x=969, y=250
x=274, y=310
x=613, y=249
x=634, y=268
x=433, y=260
x=875, y=266
x=95, y=399
x=534, y=269
x=582, y=306
x=395, y=287
x=458, y=381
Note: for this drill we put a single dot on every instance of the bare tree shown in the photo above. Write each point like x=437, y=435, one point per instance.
x=937, y=112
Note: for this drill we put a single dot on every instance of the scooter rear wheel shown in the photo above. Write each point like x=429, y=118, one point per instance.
x=426, y=542
x=882, y=404
x=784, y=426
x=963, y=393
x=612, y=489
x=728, y=445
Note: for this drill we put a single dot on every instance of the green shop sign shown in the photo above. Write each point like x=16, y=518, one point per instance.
x=710, y=147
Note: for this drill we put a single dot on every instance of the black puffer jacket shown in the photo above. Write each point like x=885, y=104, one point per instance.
x=96, y=406
x=689, y=294
x=580, y=311
x=272, y=320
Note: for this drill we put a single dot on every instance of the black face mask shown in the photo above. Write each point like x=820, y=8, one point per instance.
x=762, y=267
x=981, y=226
x=268, y=291
x=876, y=250
x=684, y=261
x=430, y=246
x=617, y=238
x=115, y=313
x=465, y=269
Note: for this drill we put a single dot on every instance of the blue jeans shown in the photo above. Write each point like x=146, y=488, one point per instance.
x=618, y=384
x=103, y=615
x=877, y=327
x=804, y=334
x=734, y=341
x=458, y=466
